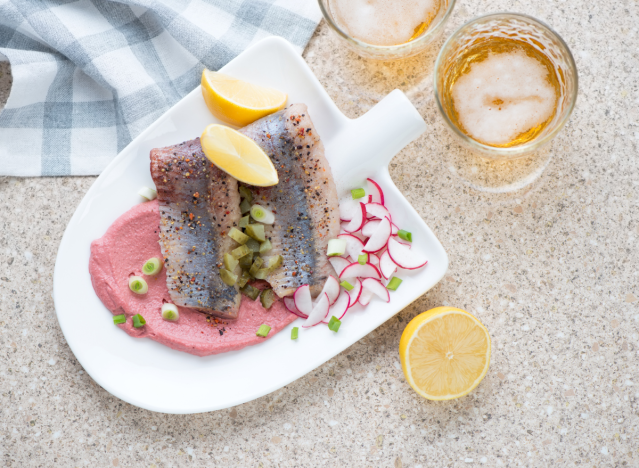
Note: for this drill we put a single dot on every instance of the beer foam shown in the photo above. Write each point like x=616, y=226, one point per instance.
x=383, y=22
x=503, y=96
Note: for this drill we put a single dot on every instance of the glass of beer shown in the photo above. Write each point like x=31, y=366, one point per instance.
x=387, y=29
x=505, y=84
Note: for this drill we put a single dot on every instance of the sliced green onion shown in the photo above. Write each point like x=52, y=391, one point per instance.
x=267, y=298
x=243, y=279
x=230, y=262
x=253, y=245
x=294, y=333
x=246, y=261
x=407, y=236
x=229, y=278
x=362, y=259
x=244, y=221
x=118, y=319
x=238, y=236
x=358, y=193
x=334, y=324
x=263, y=331
x=257, y=264
x=274, y=262
x=250, y=292
x=148, y=193
x=138, y=321
x=346, y=285
x=170, y=312
x=240, y=251
x=138, y=285
x=393, y=284
x=262, y=273
x=265, y=246
x=245, y=206
x=152, y=266
x=256, y=231
x=336, y=247
x=262, y=214
x=246, y=193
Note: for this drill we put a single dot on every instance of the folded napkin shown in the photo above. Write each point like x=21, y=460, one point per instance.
x=90, y=75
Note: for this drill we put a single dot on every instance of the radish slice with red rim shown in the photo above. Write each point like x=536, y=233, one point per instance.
x=377, y=288
x=339, y=263
x=374, y=260
x=379, y=238
x=347, y=208
x=376, y=191
x=354, y=245
x=303, y=300
x=404, y=257
x=319, y=312
x=395, y=229
x=359, y=216
x=387, y=265
x=355, y=292
x=331, y=288
x=376, y=210
x=365, y=297
x=341, y=305
x=289, y=303
x=369, y=227
x=356, y=270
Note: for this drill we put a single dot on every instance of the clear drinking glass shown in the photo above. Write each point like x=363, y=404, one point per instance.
x=390, y=52
x=495, y=168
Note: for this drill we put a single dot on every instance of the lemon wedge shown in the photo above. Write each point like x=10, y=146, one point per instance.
x=239, y=102
x=445, y=353
x=238, y=156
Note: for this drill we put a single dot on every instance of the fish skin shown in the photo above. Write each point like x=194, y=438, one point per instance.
x=304, y=201
x=193, y=229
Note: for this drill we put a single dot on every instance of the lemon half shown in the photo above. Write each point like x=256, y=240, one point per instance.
x=239, y=102
x=445, y=353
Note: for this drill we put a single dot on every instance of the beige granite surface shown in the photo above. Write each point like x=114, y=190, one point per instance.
x=553, y=273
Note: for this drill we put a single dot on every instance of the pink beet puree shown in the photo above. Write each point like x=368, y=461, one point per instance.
x=122, y=251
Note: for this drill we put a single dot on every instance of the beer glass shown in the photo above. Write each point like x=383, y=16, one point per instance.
x=374, y=29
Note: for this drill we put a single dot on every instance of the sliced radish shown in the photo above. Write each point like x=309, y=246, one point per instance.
x=289, y=302
x=403, y=256
x=355, y=292
x=373, y=259
x=377, y=288
x=355, y=270
x=341, y=305
x=365, y=297
x=375, y=210
x=339, y=263
x=319, y=312
x=354, y=245
x=395, y=229
x=303, y=300
x=387, y=265
x=347, y=209
x=378, y=193
x=379, y=238
x=359, y=216
x=331, y=288
x=369, y=227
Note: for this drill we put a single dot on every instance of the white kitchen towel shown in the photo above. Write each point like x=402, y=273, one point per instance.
x=90, y=75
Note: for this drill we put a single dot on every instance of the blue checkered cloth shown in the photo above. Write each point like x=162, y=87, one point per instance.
x=90, y=75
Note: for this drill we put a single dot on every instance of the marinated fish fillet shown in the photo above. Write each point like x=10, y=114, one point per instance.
x=305, y=199
x=199, y=204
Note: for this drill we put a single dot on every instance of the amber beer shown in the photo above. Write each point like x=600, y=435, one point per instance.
x=501, y=92
x=384, y=22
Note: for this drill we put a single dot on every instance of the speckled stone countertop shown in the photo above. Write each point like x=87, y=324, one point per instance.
x=553, y=272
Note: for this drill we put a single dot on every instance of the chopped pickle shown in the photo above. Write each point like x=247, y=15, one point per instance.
x=250, y=292
x=246, y=261
x=256, y=231
x=274, y=262
x=245, y=206
x=243, y=279
x=246, y=193
x=262, y=273
x=238, y=236
x=230, y=262
x=257, y=264
x=267, y=298
x=265, y=246
x=240, y=251
x=253, y=245
x=244, y=221
x=229, y=278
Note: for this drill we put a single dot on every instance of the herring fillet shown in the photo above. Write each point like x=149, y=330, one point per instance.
x=304, y=201
x=199, y=204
